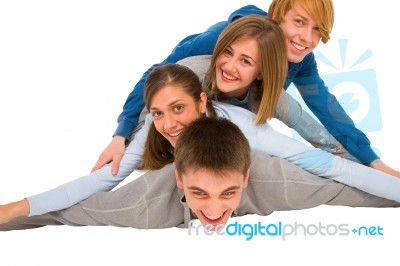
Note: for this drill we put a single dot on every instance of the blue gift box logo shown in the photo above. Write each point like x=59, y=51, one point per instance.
x=356, y=91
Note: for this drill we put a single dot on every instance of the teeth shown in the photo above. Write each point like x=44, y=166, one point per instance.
x=174, y=134
x=228, y=76
x=212, y=217
x=298, y=46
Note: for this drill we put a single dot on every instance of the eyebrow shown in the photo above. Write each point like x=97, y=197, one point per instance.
x=225, y=190
x=303, y=18
x=297, y=13
x=244, y=55
x=170, y=104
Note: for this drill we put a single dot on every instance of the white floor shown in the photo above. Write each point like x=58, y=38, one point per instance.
x=66, y=69
x=126, y=246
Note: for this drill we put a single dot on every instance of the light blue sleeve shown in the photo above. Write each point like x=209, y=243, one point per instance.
x=81, y=188
x=290, y=112
x=316, y=161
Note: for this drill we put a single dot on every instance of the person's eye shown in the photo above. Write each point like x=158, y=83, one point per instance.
x=316, y=29
x=246, y=62
x=179, y=108
x=299, y=21
x=199, y=193
x=229, y=193
x=228, y=52
x=155, y=114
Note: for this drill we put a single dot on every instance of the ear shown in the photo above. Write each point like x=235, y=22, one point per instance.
x=259, y=77
x=273, y=17
x=246, y=178
x=203, y=102
x=178, y=179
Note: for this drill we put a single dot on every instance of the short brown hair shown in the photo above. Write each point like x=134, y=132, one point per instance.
x=215, y=144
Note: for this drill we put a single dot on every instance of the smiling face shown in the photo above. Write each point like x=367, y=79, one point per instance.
x=212, y=197
x=173, y=110
x=237, y=67
x=301, y=32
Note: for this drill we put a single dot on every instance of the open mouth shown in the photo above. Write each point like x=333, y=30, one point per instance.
x=174, y=134
x=228, y=77
x=212, y=219
x=298, y=46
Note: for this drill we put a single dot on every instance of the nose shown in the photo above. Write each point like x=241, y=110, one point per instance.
x=215, y=208
x=169, y=122
x=230, y=65
x=306, y=34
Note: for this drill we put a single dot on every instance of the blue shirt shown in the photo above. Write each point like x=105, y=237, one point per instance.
x=303, y=75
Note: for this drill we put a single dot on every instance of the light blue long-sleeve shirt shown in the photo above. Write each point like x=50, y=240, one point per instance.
x=261, y=137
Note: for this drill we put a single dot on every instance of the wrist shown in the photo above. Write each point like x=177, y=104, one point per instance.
x=375, y=163
x=120, y=140
x=19, y=208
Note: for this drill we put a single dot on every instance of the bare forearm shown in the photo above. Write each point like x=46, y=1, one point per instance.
x=380, y=165
x=13, y=210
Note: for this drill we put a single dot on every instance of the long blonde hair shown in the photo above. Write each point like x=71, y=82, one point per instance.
x=273, y=61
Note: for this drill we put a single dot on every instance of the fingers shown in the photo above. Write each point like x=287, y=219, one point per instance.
x=115, y=164
x=96, y=166
x=113, y=153
x=100, y=163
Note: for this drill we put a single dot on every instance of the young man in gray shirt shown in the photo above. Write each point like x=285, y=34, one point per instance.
x=211, y=180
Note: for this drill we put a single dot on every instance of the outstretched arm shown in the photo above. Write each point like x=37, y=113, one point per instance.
x=285, y=186
x=150, y=201
x=378, y=164
x=81, y=188
x=331, y=114
x=316, y=161
x=290, y=112
x=12, y=210
x=329, y=111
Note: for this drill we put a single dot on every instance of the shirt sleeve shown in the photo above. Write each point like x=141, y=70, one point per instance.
x=329, y=111
x=316, y=161
x=70, y=193
x=290, y=112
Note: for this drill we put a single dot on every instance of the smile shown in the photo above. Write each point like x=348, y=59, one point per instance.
x=212, y=217
x=298, y=46
x=228, y=76
x=174, y=134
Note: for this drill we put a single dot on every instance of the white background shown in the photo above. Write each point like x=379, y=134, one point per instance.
x=66, y=68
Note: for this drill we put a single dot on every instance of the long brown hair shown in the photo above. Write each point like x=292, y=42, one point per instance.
x=158, y=151
x=273, y=61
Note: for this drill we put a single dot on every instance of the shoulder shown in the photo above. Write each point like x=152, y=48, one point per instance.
x=237, y=115
x=199, y=64
x=308, y=66
x=246, y=10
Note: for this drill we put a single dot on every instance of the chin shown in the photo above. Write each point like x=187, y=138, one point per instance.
x=295, y=59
